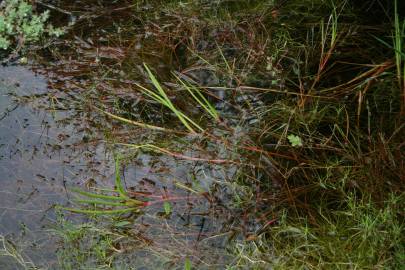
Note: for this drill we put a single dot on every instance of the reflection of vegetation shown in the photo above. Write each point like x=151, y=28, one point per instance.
x=318, y=152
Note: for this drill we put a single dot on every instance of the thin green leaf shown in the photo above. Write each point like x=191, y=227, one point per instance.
x=187, y=264
x=168, y=208
x=389, y=46
x=118, y=182
x=100, y=212
x=122, y=223
x=196, y=94
x=95, y=195
x=132, y=202
x=99, y=202
x=162, y=98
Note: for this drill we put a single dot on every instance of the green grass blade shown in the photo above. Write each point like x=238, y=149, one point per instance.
x=118, y=182
x=162, y=98
x=156, y=83
x=128, y=202
x=191, y=122
x=389, y=46
x=224, y=59
x=182, y=117
x=98, y=196
x=81, y=201
x=133, y=202
x=132, y=122
x=199, y=97
x=187, y=264
x=154, y=96
x=211, y=109
x=100, y=212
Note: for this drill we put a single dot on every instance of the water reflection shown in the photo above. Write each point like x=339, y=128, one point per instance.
x=39, y=153
x=46, y=145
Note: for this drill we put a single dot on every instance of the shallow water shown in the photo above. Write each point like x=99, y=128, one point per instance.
x=46, y=146
x=39, y=154
x=51, y=138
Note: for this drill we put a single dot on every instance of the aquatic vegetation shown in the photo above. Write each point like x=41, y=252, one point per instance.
x=294, y=140
x=20, y=25
x=118, y=199
x=294, y=98
x=163, y=99
x=201, y=100
x=313, y=166
x=7, y=249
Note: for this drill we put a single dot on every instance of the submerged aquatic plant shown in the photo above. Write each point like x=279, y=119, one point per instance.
x=117, y=201
x=8, y=249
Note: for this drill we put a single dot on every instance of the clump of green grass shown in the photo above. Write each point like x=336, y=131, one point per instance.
x=363, y=236
x=162, y=98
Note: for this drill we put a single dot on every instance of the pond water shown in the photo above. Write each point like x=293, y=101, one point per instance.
x=52, y=139
x=47, y=146
x=39, y=153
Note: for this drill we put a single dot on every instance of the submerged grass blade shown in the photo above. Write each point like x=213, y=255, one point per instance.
x=129, y=202
x=99, y=202
x=118, y=182
x=139, y=124
x=98, y=196
x=123, y=200
x=100, y=212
